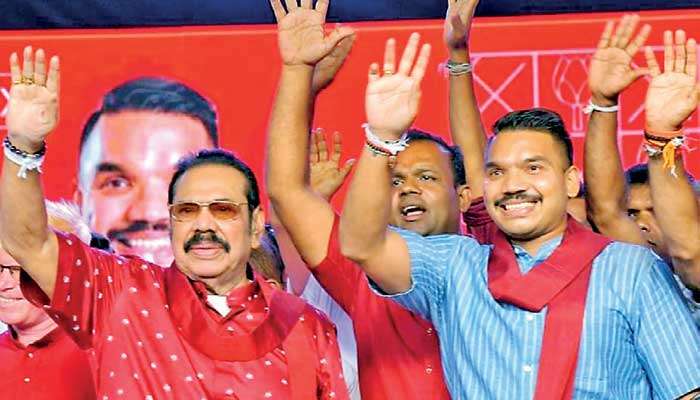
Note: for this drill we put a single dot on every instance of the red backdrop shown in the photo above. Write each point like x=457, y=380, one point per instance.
x=520, y=62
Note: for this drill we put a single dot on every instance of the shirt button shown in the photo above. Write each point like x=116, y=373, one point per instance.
x=26, y=380
x=529, y=317
x=527, y=368
x=429, y=331
x=428, y=370
x=30, y=355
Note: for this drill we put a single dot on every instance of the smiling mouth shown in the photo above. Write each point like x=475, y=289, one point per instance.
x=518, y=209
x=139, y=244
x=5, y=300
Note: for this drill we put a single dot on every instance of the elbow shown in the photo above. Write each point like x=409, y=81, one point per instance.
x=353, y=247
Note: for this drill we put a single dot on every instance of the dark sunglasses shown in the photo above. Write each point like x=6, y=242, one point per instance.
x=221, y=209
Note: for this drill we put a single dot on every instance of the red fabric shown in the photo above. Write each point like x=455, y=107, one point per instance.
x=155, y=336
x=479, y=223
x=561, y=283
x=398, y=352
x=51, y=368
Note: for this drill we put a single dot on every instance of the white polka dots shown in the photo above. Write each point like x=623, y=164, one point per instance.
x=110, y=338
x=120, y=392
x=249, y=317
x=249, y=376
x=145, y=312
x=97, y=272
x=153, y=365
x=268, y=363
x=324, y=361
x=136, y=376
x=27, y=380
x=111, y=374
x=189, y=378
x=173, y=357
x=159, y=336
x=132, y=290
x=125, y=321
x=109, y=279
x=76, y=328
x=70, y=242
x=268, y=395
x=229, y=392
x=78, y=262
x=66, y=279
x=100, y=295
x=148, y=397
x=123, y=356
x=284, y=381
x=200, y=376
x=87, y=284
x=156, y=285
x=167, y=387
x=144, y=267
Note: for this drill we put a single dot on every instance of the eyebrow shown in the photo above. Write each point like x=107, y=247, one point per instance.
x=109, y=167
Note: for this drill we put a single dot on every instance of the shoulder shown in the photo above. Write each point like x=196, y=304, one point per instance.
x=627, y=264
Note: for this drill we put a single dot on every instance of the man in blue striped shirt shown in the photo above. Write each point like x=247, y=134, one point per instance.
x=634, y=335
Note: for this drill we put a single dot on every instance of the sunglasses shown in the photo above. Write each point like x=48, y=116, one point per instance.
x=220, y=209
x=12, y=269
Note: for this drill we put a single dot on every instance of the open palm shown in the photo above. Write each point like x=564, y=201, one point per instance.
x=392, y=100
x=611, y=69
x=301, y=35
x=674, y=94
x=33, y=105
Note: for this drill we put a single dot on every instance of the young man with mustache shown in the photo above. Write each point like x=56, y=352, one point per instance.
x=398, y=353
x=204, y=328
x=551, y=310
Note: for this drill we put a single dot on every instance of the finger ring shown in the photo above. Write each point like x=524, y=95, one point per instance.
x=27, y=80
x=388, y=72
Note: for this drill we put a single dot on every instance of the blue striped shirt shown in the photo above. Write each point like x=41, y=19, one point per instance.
x=638, y=339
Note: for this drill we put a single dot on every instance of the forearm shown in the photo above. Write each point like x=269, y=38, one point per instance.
x=307, y=218
x=465, y=124
x=297, y=270
x=23, y=224
x=676, y=210
x=605, y=179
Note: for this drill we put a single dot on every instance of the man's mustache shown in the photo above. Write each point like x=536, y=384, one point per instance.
x=121, y=235
x=517, y=196
x=206, y=236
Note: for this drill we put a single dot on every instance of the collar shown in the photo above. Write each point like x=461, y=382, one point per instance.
x=208, y=335
x=526, y=262
x=56, y=334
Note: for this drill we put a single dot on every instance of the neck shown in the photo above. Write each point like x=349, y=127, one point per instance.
x=28, y=334
x=533, y=245
x=222, y=285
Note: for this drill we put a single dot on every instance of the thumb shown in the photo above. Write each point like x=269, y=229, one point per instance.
x=347, y=168
x=639, y=72
x=338, y=34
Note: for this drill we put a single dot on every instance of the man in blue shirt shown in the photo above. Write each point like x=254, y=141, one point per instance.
x=551, y=311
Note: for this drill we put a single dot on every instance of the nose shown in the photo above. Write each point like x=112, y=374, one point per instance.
x=205, y=221
x=151, y=203
x=513, y=182
x=409, y=186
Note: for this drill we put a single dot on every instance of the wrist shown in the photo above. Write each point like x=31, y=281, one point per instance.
x=25, y=144
x=661, y=126
x=460, y=55
x=305, y=69
x=386, y=134
x=604, y=101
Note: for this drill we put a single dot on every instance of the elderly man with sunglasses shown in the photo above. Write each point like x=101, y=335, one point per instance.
x=39, y=360
x=206, y=328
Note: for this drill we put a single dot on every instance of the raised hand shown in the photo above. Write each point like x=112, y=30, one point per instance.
x=392, y=99
x=325, y=174
x=302, y=39
x=674, y=94
x=328, y=67
x=33, y=106
x=611, y=69
x=458, y=23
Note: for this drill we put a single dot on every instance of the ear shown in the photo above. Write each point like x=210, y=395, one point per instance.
x=274, y=284
x=257, y=227
x=465, y=197
x=572, y=177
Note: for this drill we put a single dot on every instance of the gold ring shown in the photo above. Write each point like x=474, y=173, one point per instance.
x=27, y=80
x=388, y=72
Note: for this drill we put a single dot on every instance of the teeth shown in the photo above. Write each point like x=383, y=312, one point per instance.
x=150, y=244
x=411, y=210
x=518, y=206
x=7, y=301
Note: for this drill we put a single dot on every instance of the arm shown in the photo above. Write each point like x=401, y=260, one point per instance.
x=307, y=217
x=465, y=119
x=391, y=105
x=610, y=73
x=32, y=115
x=671, y=99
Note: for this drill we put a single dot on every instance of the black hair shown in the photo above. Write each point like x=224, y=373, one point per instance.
x=541, y=120
x=158, y=95
x=456, y=157
x=217, y=157
x=637, y=175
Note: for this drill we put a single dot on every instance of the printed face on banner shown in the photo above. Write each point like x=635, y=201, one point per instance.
x=125, y=169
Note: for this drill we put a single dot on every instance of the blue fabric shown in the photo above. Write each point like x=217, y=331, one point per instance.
x=638, y=342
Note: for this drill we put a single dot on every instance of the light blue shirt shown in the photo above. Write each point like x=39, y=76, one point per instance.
x=638, y=339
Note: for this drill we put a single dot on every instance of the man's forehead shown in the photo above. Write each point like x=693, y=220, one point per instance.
x=423, y=154
x=519, y=146
x=212, y=182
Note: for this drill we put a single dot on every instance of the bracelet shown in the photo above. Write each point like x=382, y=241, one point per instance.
x=26, y=163
x=392, y=147
x=667, y=150
x=663, y=136
x=594, y=107
x=457, y=69
x=6, y=142
x=376, y=151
